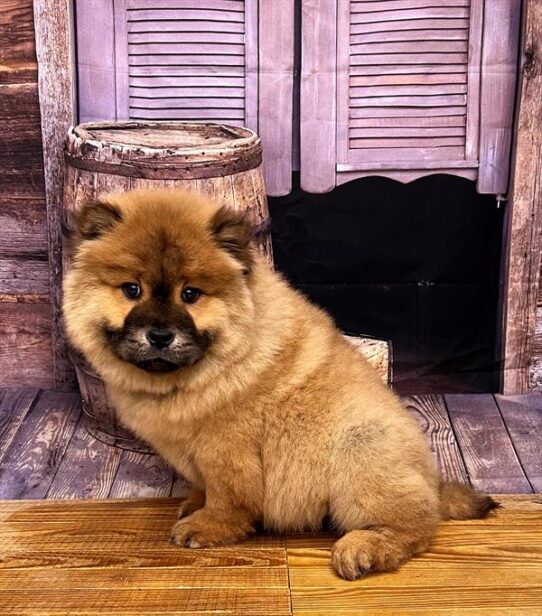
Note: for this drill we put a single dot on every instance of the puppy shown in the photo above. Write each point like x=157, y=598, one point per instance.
x=246, y=388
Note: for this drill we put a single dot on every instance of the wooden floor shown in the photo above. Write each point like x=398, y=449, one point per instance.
x=493, y=442
x=112, y=557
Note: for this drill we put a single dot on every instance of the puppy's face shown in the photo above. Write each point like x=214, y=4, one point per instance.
x=159, y=283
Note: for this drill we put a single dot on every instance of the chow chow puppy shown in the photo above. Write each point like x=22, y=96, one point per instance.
x=246, y=388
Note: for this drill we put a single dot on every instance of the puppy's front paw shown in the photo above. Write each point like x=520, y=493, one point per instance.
x=203, y=530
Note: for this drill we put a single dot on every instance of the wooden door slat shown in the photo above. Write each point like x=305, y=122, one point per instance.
x=410, y=25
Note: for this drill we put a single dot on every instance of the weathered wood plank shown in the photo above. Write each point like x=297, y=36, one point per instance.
x=142, y=476
x=25, y=344
x=26, y=274
x=34, y=455
x=23, y=227
x=18, y=72
x=15, y=404
x=431, y=413
x=523, y=229
x=87, y=469
x=489, y=455
x=54, y=53
x=523, y=418
x=20, y=141
x=16, y=31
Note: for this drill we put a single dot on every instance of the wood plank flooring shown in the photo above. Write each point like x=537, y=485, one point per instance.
x=493, y=442
x=112, y=557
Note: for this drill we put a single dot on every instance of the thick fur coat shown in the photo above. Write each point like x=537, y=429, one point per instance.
x=246, y=388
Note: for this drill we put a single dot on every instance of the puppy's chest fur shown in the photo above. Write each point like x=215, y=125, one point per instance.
x=257, y=450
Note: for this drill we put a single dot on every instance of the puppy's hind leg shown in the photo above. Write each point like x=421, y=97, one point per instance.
x=379, y=548
x=384, y=527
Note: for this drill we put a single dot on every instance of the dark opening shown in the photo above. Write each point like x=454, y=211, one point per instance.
x=416, y=263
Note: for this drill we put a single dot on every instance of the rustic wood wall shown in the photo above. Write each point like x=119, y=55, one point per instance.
x=25, y=309
x=523, y=235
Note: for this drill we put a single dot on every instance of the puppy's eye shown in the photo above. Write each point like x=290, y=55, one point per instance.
x=132, y=290
x=190, y=295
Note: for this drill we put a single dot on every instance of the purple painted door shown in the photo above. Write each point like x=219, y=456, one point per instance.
x=415, y=87
x=225, y=61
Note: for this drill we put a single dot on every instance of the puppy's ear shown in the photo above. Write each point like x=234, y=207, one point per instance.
x=96, y=218
x=233, y=233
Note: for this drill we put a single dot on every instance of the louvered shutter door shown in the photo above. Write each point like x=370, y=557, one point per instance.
x=186, y=60
x=194, y=60
x=405, y=101
x=408, y=103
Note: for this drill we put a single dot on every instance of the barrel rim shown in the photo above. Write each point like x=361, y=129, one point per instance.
x=244, y=137
x=84, y=151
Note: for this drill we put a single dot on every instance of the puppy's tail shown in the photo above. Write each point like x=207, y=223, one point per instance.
x=461, y=502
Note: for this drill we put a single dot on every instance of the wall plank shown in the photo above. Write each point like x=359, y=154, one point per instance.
x=25, y=312
x=523, y=238
x=25, y=344
x=16, y=31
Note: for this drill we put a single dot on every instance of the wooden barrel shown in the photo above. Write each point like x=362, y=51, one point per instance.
x=222, y=162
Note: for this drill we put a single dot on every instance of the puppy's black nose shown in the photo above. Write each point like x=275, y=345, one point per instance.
x=160, y=338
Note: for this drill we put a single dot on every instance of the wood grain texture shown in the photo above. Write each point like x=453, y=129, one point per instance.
x=478, y=567
x=113, y=557
x=15, y=404
x=489, y=455
x=523, y=236
x=523, y=418
x=90, y=468
x=20, y=141
x=25, y=342
x=142, y=475
x=431, y=414
x=32, y=459
x=24, y=232
x=52, y=22
x=318, y=95
x=16, y=32
x=87, y=469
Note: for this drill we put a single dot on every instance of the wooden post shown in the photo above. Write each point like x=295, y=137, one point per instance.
x=523, y=240
x=53, y=27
